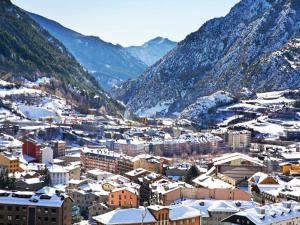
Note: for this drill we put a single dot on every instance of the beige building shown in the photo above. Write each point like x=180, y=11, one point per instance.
x=239, y=139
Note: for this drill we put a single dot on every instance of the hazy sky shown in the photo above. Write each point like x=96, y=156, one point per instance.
x=130, y=22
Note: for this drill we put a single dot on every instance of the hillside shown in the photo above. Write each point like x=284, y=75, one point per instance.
x=28, y=52
x=153, y=50
x=109, y=64
x=255, y=46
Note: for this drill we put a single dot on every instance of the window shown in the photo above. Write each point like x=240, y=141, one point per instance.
x=53, y=220
x=53, y=210
x=9, y=208
x=9, y=218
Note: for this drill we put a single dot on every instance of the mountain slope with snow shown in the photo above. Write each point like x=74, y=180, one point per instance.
x=28, y=53
x=255, y=46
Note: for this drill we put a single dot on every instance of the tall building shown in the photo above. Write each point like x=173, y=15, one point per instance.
x=32, y=148
x=239, y=139
x=99, y=158
x=28, y=208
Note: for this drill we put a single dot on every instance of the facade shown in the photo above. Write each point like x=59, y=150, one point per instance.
x=151, y=163
x=9, y=162
x=239, y=139
x=59, y=148
x=32, y=148
x=27, y=208
x=85, y=199
x=59, y=175
x=102, y=159
x=47, y=155
x=124, y=198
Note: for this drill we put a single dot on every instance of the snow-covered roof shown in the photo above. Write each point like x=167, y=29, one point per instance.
x=18, y=198
x=181, y=212
x=271, y=214
x=234, y=156
x=207, y=206
x=211, y=182
x=126, y=216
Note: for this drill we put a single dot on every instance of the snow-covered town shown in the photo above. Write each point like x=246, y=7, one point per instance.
x=106, y=170
x=148, y=112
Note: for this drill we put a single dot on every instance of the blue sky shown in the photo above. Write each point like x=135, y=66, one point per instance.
x=130, y=22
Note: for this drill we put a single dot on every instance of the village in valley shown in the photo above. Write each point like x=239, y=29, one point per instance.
x=150, y=112
x=105, y=170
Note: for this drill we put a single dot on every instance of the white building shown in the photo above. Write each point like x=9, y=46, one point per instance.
x=47, y=155
x=59, y=175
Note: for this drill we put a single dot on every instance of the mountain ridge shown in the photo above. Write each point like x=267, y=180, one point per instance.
x=227, y=53
x=152, y=50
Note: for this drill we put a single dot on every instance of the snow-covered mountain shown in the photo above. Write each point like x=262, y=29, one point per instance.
x=256, y=46
x=30, y=55
x=110, y=64
x=151, y=51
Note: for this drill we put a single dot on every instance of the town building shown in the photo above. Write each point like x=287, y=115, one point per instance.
x=284, y=213
x=239, y=139
x=32, y=148
x=29, y=208
x=47, y=155
x=59, y=175
x=102, y=159
x=236, y=168
x=59, y=148
x=123, y=197
x=9, y=161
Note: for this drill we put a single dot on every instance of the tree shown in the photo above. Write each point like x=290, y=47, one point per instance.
x=47, y=177
x=191, y=174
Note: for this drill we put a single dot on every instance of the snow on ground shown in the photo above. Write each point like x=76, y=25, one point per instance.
x=38, y=82
x=204, y=104
x=34, y=112
x=160, y=107
x=245, y=106
x=267, y=128
x=16, y=91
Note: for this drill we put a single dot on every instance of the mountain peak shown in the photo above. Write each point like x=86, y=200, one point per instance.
x=151, y=51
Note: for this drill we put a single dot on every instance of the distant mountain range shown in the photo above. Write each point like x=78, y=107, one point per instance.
x=110, y=64
x=153, y=50
x=28, y=52
x=256, y=46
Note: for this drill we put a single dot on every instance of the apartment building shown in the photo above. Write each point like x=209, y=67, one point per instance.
x=239, y=139
x=32, y=148
x=59, y=148
x=29, y=208
x=10, y=162
x=100, y=158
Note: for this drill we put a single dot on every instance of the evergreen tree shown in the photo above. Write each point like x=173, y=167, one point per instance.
x=191, y=174
x=47, y=178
